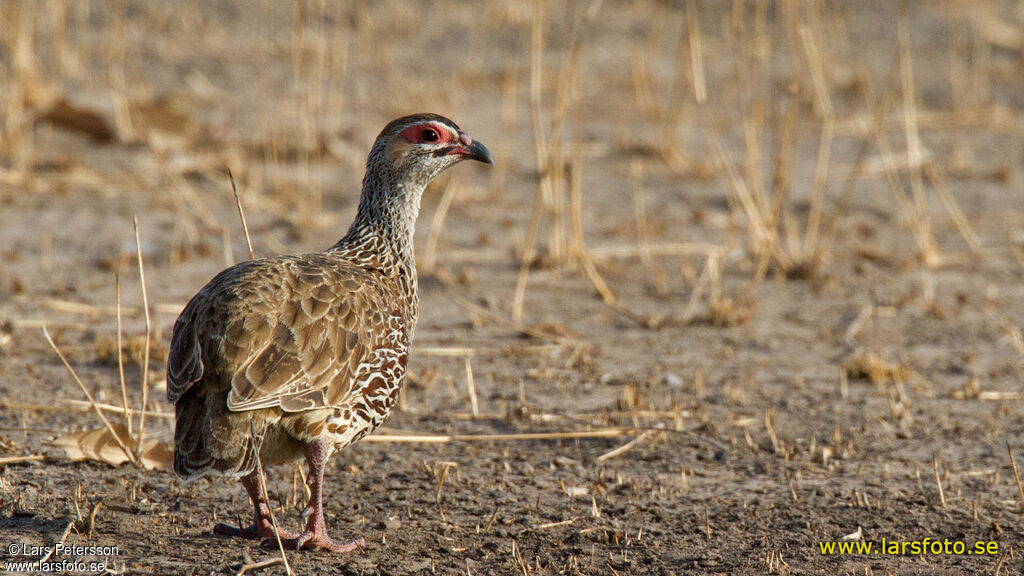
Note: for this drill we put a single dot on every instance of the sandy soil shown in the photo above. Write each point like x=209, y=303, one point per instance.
x=753, y=430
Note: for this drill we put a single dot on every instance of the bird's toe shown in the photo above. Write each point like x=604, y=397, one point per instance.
x=310, y=540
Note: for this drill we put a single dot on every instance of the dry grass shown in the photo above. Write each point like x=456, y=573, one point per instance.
x=682, y=188
x=878, y=371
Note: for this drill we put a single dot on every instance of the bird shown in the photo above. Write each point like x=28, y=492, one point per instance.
x=298, y=356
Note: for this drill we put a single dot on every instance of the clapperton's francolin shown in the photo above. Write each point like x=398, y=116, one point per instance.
x=300, y=356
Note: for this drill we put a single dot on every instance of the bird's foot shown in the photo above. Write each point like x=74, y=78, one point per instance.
x=256, y=530
x=318, y=540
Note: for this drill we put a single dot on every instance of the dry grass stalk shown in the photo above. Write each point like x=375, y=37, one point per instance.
x=253, y=566
x=657, y=249
x=811, y=253
x=1014, y=334
x=90, y=524
x=88, y=309
x=672, y=150
x=429, y=260
x=938, y=480
x=579, y=247
x=241, y=214
x=149, y=333
x=185, y=198
x=266, y=498
x=642, y=78
x=20, y=136
x=995, y=118
x=857, y=170
x=934, y=177
x=120, y=357
x=642, y=230
x=540, y=144
x=1016, y=475
x=18, y=459
x=116, y=409
x=229, y=252
x=619, y=450
x=819, y=78
x=519, y=559
x=776, y=232
x=309, y=58
x=769, y=427
x=698, y=290
x=547, y=152
x=448, y=438
x=549, y=525
x=116, y=76
x=593, y=418
x=700, y=91
x=305, y=481
x=455, y=351
x=50, y=549
x=128, y=453
x=471, y=387
x=914, y=149
x=959, y=75
x=442, y=476
x=922, y=232
x=759, y=237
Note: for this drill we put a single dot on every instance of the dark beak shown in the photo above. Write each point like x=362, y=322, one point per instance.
x=477, y=151
x=469, y=148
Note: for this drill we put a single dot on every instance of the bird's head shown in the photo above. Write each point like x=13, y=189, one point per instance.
x=415, y=149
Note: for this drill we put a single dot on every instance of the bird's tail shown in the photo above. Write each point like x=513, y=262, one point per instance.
x=197, y=452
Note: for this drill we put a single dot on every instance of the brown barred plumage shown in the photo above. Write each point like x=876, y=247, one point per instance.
x=299, y=356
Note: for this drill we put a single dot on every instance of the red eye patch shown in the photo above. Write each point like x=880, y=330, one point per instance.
x=427, y=133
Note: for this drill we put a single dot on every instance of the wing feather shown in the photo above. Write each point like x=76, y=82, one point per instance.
x=320, y=335
x=288, y=332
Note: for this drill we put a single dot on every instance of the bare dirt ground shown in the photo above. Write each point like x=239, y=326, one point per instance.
x=809, y=219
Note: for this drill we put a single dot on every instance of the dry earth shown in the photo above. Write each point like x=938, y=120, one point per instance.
x=850, y=362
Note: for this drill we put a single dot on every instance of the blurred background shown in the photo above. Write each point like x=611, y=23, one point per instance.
x=795, y=229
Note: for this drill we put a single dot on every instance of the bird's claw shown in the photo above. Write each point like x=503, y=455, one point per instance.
x=310, y=540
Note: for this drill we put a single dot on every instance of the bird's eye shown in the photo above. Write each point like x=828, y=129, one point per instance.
x=429, y=135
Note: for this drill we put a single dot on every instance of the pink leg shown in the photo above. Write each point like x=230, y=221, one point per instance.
x=315, y=536
x=261, y=526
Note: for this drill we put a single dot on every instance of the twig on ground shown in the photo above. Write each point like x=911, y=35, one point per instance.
x=252, y=566
x=17, y=459
x=624, y=448
x=92, y=401
x=63, y=537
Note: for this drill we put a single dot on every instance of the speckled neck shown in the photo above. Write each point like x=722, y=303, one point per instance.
x=386, y=219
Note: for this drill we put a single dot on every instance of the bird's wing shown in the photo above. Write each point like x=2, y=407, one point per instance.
x=294, y=335
x=185, y=358
x=205, y=311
